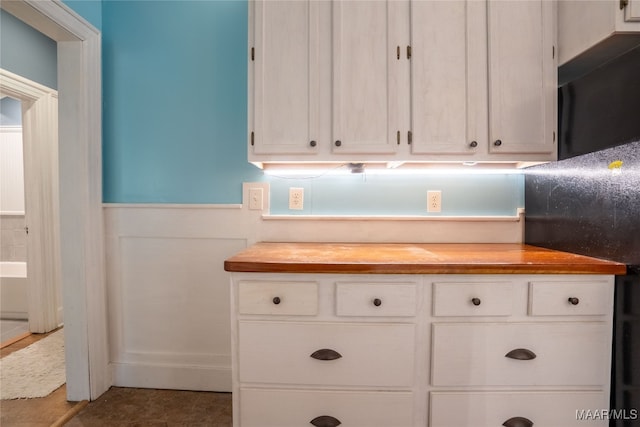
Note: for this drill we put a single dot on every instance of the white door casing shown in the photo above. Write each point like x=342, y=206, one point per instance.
x=80, y=188
x=40, y=142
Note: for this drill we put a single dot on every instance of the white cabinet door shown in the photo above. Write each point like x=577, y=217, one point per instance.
x=365, y=73
x=285, y=78
x=448, y=77
x=632, y=11
x=522, y=76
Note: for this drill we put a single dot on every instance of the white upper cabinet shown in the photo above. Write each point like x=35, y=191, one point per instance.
x=522, y=77
x=283, y=113
x=402, y=81
x=365, y=76
x=632, y=11
x=448, y=77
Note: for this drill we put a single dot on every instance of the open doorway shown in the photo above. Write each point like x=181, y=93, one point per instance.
x=38, y=131
x=14, y=307
x=80, y=191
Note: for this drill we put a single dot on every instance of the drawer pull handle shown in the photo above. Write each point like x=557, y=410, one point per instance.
x=326, y=354
x=521, y=354
x=377, y=302
x=325, y=421
x=518, y=422
x=476, y=301
x=277, y=300
x=573, y=301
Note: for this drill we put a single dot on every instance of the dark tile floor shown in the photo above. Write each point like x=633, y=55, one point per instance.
x=148, y=407
x=127, y=407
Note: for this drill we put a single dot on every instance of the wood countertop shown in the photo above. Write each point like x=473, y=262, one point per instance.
x=414, y=258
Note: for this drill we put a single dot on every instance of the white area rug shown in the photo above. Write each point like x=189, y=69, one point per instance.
x=34, y=371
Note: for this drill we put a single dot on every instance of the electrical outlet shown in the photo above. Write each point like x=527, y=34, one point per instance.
x=434, y=201
x=255, y=199
x=296, y=198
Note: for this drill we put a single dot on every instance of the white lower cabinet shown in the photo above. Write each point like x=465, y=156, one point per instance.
x=514, y=409
x=421, y=350
x=494, y=354
x=326, y=353
x=329, y=408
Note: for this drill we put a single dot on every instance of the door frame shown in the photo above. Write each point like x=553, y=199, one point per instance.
x=40, y=147
x=82, y=253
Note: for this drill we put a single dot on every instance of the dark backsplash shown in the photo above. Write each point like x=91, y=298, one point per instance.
x=601, y=109
x=581, y=205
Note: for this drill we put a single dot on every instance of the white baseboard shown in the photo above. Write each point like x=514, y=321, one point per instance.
x=172, y=377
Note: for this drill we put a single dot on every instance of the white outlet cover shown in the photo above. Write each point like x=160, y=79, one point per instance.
x=434, y=201
x=296, y=198
x=256, y=198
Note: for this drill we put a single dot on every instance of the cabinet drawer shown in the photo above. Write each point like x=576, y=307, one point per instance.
x=476, y=354
x=364, y=299
x=266, y=297
x=472, y=299
x=575, y=298
x=295, y=408
x=370, y=354
x=544, y=409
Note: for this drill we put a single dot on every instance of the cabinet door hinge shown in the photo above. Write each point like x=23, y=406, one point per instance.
x=409, y=137
x=252, y=138
x=623, y=4
x=253, y=53
x=408, y=52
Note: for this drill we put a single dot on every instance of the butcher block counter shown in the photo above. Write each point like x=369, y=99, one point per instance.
x=419, y=335
x=413, y=258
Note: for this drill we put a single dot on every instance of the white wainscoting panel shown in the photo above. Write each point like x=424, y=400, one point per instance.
x=168, y=293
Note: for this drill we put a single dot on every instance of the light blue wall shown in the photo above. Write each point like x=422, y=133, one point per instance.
x=463, y=195
x=175, y=101
x=27, y=52
x=10, y=112
x=91, y=10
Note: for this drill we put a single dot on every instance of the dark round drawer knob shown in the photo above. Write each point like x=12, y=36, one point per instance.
x=313, y=143
x=473, y=144
x=338, y=143
x=497, y=143
x=573, y=301
x=377, y=302
x=276, y=300
x=476, y=301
